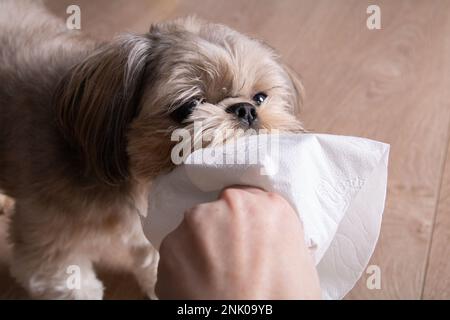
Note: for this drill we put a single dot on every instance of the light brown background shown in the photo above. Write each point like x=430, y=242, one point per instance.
x=391, y=85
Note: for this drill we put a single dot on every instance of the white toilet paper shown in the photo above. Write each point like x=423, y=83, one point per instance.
x=336, y=184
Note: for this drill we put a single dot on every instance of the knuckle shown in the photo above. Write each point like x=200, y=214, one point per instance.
x=193, y=215
x=232, y=196
x=199, y=215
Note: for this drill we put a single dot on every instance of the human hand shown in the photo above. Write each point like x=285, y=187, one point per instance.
x=248, y=244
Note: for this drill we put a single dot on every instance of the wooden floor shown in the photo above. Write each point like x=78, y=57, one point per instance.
x=391, y=85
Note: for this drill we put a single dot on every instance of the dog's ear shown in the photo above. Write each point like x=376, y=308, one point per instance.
x=96, y=102
x=298, y=89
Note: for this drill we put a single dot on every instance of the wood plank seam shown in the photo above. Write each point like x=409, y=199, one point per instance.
x=445, y=163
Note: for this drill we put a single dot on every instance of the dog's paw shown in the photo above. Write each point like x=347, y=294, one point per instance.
x=47, y=289
x=89, y=291
x=54, y=282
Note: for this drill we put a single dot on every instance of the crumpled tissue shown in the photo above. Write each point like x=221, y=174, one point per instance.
x=336, y=184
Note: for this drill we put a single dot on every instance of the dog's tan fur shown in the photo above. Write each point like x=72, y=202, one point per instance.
x=85, y=127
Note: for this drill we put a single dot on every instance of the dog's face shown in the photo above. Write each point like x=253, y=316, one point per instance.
x=121, y=105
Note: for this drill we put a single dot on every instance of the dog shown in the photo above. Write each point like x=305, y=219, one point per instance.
x=85, y=126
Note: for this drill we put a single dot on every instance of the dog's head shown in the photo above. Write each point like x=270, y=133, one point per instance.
x=120, y=105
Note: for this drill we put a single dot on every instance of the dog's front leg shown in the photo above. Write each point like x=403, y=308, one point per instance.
x=47, y=260
x=144, y=257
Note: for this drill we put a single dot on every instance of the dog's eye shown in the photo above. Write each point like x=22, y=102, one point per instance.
x=259, y=98
x=182, y=112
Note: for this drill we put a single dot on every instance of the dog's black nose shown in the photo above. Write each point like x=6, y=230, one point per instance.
x=245, y=112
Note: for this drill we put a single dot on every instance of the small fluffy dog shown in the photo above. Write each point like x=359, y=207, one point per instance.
x=85, y=127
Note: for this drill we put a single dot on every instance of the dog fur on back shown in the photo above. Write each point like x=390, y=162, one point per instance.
x=61, y=218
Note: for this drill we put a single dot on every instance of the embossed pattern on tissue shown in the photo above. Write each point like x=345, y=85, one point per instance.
x=340, y=194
